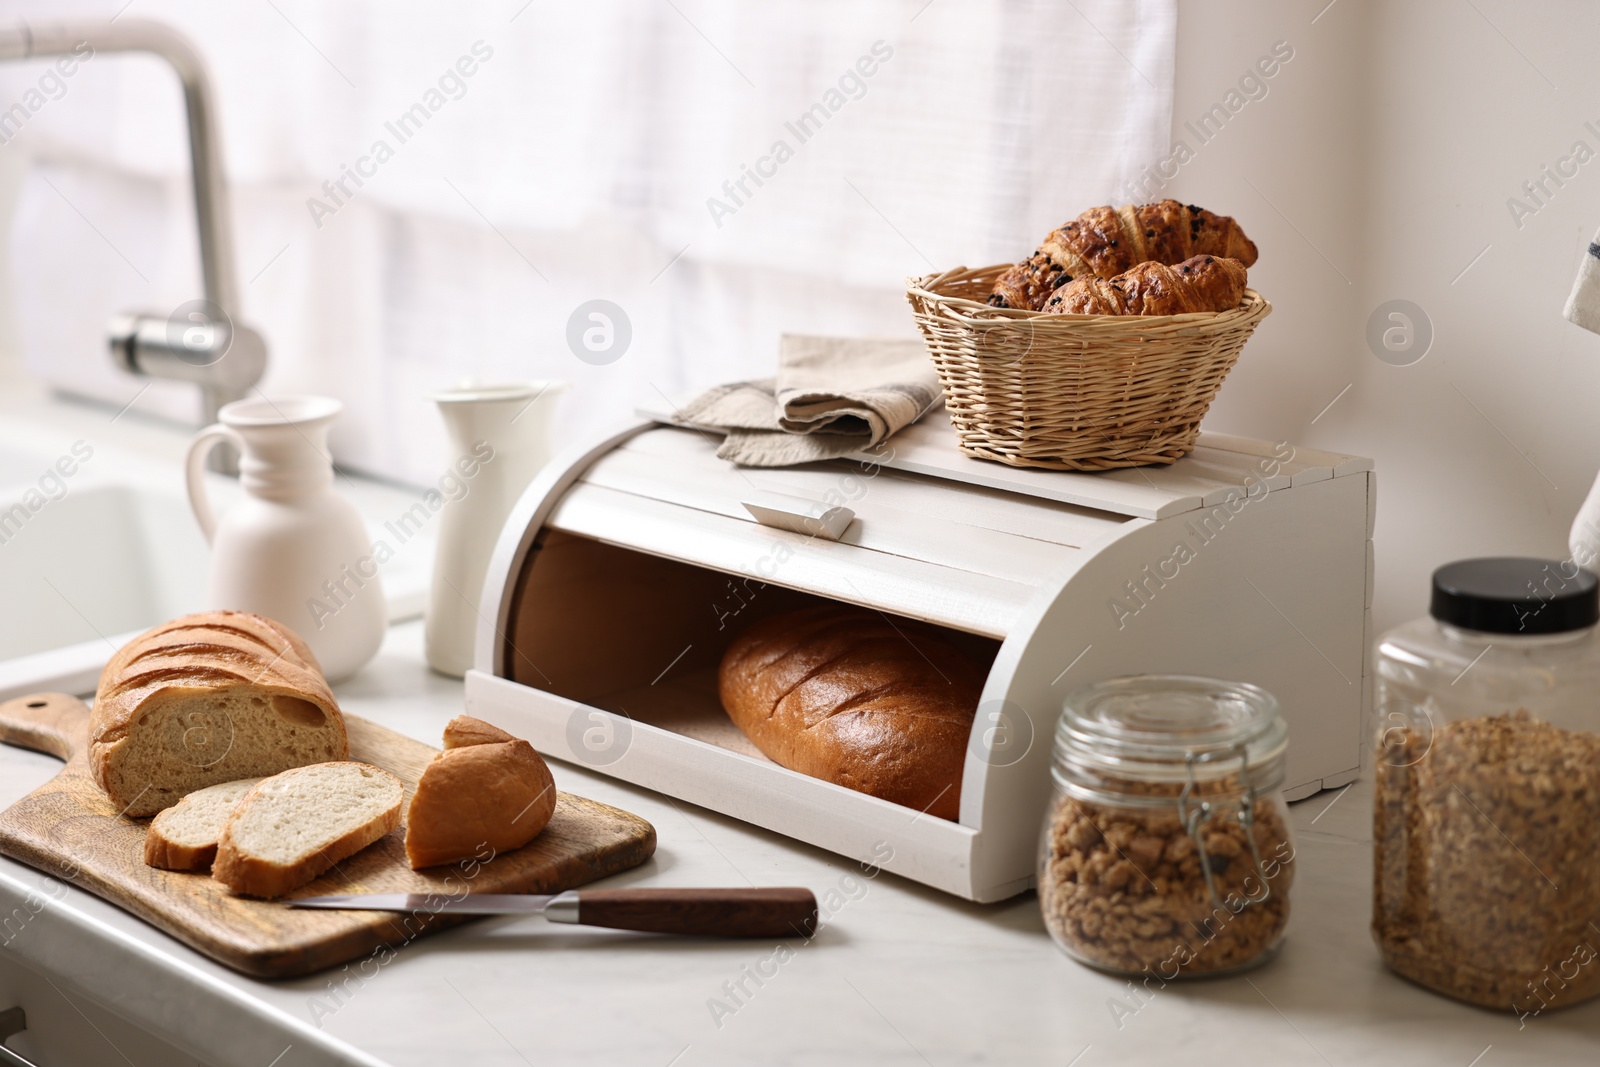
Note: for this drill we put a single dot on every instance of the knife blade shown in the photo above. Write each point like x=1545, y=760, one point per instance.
x=784, y=911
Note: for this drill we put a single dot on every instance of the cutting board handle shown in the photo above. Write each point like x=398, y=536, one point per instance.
x=52, y=723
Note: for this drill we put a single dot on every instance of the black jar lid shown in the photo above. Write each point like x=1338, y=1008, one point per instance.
x=1512, y=595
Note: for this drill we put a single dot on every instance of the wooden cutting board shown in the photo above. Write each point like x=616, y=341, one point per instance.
x=71, y=829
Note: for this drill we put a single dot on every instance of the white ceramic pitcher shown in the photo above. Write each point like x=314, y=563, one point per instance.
x=292, y=550
x=501, y=434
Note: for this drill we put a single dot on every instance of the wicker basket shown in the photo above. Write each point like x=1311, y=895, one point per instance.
x=1074, y=392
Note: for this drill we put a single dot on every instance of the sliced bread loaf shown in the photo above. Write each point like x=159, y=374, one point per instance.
x=204, y=699
x=184, y=837
x=485, y=794
x=293, y=826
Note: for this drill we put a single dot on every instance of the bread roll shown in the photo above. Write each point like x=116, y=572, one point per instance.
x=292, y=827
x=844, y=694
x=486, y=791
x=205, y=699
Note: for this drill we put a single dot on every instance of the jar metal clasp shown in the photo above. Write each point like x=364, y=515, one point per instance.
x=1193, y=813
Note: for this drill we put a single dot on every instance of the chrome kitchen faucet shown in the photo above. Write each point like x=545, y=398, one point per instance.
x=200, y=343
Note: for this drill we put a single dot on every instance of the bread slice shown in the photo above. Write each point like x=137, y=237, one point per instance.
x=293, y=826
x=485, y=794
x=205, y=699
x=184, y=837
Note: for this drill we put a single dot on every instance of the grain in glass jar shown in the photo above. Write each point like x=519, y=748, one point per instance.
x=1486, y=822
x=1166, y=849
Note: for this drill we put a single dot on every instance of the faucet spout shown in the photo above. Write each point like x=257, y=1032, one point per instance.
x=223, y=357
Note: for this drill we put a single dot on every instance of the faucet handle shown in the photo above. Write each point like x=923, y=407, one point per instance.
x=220, y=354
x=224, y=358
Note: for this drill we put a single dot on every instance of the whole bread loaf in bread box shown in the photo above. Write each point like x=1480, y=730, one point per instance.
x=847, y=695
x=204, y=699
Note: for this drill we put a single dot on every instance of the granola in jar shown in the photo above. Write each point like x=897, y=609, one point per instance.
x=1166, y=849
x=1487, y=864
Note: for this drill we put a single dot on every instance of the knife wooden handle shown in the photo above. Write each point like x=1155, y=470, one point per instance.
x=789, y=911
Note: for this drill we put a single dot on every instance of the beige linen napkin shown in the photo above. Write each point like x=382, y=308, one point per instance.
x=832, y=396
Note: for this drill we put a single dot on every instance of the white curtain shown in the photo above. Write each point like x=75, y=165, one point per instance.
x=722, y=171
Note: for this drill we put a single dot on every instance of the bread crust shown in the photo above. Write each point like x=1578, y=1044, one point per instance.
x=464, y=730
x=215, y=652
x=487, y=789
x=171, y=856
x=248, y=875
x=843, y=694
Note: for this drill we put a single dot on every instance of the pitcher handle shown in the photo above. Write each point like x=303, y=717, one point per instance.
x=195, y=472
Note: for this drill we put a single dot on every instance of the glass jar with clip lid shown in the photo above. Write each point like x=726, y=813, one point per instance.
x=1166, y=849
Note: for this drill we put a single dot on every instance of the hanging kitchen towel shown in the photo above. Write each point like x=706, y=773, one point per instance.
x=1583, y=306
x=832, y=396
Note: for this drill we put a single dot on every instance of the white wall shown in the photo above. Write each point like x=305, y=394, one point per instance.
x=577, y=166
x=1388, y=148
x=1376, y=167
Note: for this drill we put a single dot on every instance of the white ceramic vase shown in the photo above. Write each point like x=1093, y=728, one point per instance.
x=292, y=549
x=501, y=435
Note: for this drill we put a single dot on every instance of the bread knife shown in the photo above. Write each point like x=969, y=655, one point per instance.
x=789, y=911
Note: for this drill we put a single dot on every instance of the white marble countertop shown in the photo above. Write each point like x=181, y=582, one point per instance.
x=899, y=974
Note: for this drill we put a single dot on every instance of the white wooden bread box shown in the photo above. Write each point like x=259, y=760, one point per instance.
x=631, y=562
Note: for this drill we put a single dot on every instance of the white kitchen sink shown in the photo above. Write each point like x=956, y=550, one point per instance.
x=101, y=561
x=89, y=559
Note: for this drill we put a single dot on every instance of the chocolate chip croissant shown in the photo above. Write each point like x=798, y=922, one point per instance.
x=1202, y=283
x=1104, y=242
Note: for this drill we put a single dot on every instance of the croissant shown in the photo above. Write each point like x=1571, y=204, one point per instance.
x=1106, y=241
x=1201, y=283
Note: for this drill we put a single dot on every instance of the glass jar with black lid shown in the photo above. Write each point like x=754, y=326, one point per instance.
x=1486, y=821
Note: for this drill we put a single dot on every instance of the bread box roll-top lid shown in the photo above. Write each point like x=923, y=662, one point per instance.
x=632, y=561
